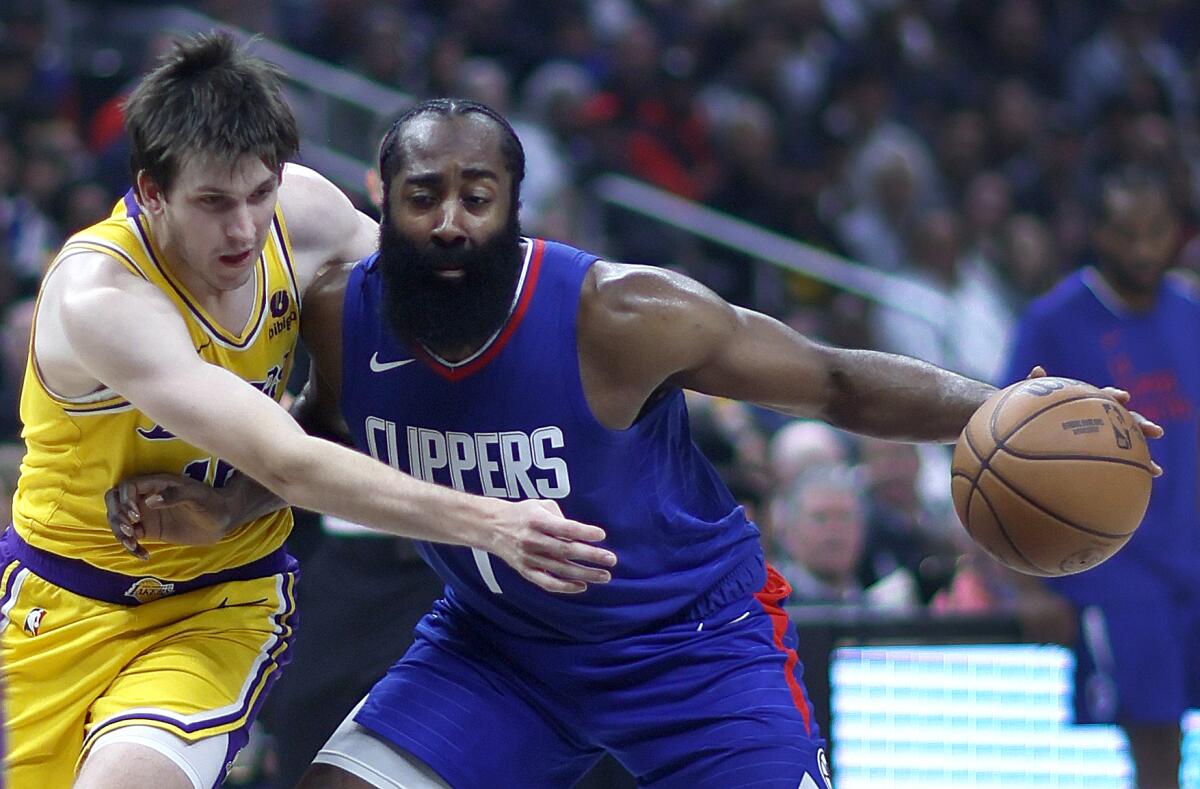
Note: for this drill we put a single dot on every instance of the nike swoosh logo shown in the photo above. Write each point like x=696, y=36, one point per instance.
x=382, y=367
x=226, y=604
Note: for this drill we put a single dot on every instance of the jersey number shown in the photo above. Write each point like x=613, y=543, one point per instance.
x=199, y=471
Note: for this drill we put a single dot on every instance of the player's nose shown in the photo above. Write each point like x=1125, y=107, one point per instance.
x=449, y=231
x=241, y=225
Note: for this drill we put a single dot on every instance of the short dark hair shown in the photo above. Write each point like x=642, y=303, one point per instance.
x=208, y=96
x=391, y=160
x=1129, y=179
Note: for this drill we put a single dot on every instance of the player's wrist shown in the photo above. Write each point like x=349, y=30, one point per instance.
x=484, y=523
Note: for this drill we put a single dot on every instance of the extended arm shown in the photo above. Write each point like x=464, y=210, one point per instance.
x=176, y=509
x=671, y=331
x=146, y=355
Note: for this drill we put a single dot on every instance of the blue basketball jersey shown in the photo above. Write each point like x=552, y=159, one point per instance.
x=1079, y=330
x=512, y=422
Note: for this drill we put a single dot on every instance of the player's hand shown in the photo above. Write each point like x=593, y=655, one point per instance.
x=548, y=550
x=165, y=508
x=1149, y=429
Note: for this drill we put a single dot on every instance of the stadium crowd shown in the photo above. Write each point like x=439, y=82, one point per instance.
x=958, y=143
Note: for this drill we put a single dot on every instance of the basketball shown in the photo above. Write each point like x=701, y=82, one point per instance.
x=1051, y=476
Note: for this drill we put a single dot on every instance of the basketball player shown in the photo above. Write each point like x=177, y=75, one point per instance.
x=522, y=368
x=161, y=343
x=1123, y=320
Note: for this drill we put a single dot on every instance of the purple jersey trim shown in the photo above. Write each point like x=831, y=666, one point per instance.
x=216, y=331
x=83, y=579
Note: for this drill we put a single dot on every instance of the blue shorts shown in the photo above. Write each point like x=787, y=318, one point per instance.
x=717, y=703
x=1138, y=659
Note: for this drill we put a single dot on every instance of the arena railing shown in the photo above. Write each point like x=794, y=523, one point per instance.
x=340, y=111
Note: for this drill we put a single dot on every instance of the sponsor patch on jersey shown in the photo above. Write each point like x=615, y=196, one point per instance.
x=280, y=301
x=33, y=620
x=146, y=589
x=283, y=316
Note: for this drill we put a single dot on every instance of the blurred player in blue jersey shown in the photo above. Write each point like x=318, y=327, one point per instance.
x=468, y=355
x=1123, y=320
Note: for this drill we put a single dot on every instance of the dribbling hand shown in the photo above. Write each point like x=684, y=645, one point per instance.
x=1149, y=429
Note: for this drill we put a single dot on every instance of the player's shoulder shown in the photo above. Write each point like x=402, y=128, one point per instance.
x=317, y=213
x=1183, y=285
x=636, y=286
x=1064, y=298
x=329, y=286
x=81, y=270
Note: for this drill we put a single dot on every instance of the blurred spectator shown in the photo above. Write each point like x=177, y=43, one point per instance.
x=1127, y=55
x=821, y=530
x=821, y=534
x=886, y=183
x=10, y=470
x=800, y=445
x=14, y=353
x=726, y=432
x=969, y=335
x=390, y=44
x=1026, y=259
x=905, y=535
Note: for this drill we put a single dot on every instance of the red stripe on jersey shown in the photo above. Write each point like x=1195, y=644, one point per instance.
x=773, y=591
x=477, y=364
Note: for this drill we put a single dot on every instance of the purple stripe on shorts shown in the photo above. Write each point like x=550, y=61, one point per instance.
x=5, y=593
x=279, y=655
x=86, y=580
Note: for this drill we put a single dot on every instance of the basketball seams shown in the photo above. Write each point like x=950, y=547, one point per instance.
x=1046, y=511
x=999, y=440
x=1090, y=458
x=1004, y=531
x=983, y=465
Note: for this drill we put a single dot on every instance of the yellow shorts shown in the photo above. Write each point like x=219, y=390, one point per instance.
x=81, y=656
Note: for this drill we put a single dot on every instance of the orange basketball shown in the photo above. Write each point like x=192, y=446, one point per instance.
x=1051, y=476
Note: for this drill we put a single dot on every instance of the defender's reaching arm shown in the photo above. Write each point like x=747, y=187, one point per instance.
x=145, y=354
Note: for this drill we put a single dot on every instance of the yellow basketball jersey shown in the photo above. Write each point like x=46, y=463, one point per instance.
x=78, y=448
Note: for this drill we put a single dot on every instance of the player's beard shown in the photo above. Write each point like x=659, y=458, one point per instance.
x=448, y=317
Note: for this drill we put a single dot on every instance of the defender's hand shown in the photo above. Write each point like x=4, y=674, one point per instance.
x=165, y=508
x=1149, y=429
x=548, y=550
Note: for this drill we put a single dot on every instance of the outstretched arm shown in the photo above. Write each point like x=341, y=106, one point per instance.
x=177, y=509
x=146, y=355
x=671, y=331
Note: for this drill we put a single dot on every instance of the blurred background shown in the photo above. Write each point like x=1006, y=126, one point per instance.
x=904, y=175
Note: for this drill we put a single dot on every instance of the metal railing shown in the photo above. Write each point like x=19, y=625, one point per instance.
x=341, y=116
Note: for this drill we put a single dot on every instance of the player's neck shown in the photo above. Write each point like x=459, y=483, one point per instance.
x=228, y=303
x=1130, y=299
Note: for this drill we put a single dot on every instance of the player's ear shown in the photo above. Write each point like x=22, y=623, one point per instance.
x=150, y=195
x=374, y=186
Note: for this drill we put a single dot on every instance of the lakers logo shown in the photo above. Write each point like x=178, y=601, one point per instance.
x=33, y=620
x=146, y=589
